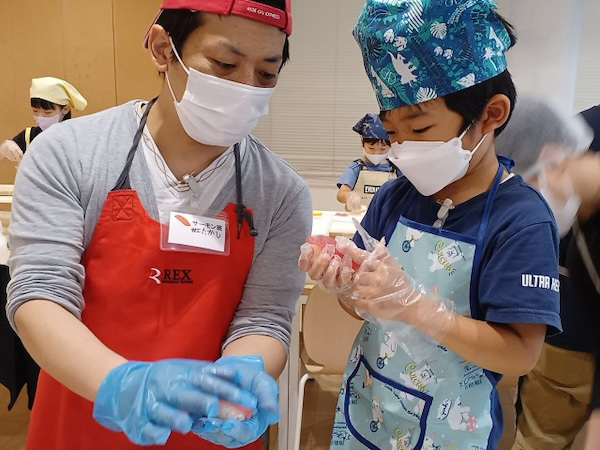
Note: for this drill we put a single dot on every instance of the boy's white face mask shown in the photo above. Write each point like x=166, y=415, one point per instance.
x=432, y=165
x=375, y=159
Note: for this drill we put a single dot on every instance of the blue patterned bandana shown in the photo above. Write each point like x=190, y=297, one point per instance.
x=370, y=127
x=418, y=50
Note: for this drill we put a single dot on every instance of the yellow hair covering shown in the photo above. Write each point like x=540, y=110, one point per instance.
x=57, y=91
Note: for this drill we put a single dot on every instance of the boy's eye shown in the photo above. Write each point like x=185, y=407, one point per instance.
x=421, y=130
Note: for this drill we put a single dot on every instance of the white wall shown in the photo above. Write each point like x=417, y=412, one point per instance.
x=322, y=93
x=545, y=59
x=556, y=56
x=588, y=77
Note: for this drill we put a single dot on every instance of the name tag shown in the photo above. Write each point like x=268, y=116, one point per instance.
x=207, y=233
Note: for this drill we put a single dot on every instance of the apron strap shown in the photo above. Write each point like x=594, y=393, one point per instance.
x=361, y=164
x=483, y=227
x=506, y=162
x=27, y=137
x=123, y=182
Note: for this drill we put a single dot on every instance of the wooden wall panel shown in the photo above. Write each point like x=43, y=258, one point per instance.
x=89, y=51
x=34, y=48
x=69, y=39
x=8, y=93
x=136, y=76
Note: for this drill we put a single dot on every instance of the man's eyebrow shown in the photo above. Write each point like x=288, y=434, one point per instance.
x=233, y=49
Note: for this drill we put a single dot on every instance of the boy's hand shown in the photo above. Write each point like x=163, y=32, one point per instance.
x=388, y=296
x=353, y=202
x=332, y=272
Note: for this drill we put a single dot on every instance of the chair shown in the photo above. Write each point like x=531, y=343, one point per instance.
x=6, y=192
x=328, y=333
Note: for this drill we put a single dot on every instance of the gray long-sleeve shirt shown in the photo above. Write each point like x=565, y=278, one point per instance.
x=61, y=188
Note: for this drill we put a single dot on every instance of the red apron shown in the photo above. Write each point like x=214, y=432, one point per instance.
x=145, y=304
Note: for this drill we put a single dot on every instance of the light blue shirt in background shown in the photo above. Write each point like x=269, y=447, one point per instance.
x=350, y=175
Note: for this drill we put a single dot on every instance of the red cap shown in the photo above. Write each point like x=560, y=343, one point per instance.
x=243, y=8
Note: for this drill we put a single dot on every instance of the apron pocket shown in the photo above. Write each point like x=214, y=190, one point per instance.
x=382, y=413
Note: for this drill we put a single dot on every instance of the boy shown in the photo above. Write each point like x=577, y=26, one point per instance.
x=467, y=287
x=363, y=178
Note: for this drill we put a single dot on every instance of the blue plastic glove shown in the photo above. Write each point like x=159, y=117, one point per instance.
x=147, y=401
x=234, y=433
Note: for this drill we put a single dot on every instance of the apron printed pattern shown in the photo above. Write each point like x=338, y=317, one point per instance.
x=390, y=401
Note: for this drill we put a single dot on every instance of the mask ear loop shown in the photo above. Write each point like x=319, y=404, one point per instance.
x=167, y=72
x=464, y=133
x=63, y=114
x=178, y=57
x=479, y=145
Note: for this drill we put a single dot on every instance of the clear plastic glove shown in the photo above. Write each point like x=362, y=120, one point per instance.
x=332, y=266
x=147, y=401
x=11, y=151
x=353, y=202
x=385, y=295
x=233, y=433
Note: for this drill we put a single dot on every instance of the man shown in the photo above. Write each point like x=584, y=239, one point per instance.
x=549, y=147
x=163, y=230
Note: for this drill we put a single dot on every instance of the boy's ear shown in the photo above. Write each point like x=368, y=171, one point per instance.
x=496, y=113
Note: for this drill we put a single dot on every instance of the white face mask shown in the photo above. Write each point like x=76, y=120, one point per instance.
x=219, y=112
x=46, y=122
x=564, y=212
x=375, y=159
x=432, y=165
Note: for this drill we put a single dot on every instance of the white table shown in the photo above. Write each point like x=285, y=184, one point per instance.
x=329, y=223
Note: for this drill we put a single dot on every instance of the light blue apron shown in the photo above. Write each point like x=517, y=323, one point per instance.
x=389, y=401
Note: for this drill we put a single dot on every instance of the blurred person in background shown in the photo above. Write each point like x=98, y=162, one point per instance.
x=550, y=149
x=364, y=177
x=52, y=102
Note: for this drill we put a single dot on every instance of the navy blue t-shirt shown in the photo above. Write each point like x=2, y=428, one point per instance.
x=350, y=176
x=521, y=240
